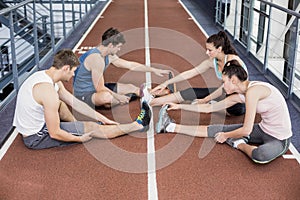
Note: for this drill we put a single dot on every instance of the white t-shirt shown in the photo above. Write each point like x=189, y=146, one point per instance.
x=29, y=115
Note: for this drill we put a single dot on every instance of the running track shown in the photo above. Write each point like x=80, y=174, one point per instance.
x=140, y=165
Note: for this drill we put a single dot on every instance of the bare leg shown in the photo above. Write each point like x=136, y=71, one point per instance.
x=195, y=131
x=127, y=88
x=110, y=131
x=246, y=148
x=64, y=113
x=104, y=99
x=174, y=98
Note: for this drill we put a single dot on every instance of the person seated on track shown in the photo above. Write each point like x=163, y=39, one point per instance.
x=89, y=84
x=219, y=50
x=263, y=141
x=44, y=120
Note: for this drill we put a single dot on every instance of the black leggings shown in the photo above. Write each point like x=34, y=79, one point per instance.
x=200, y=93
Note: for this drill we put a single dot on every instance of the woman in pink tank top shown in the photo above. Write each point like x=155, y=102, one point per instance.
x=263, y=141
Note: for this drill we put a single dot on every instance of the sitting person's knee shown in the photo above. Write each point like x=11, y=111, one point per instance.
x=260, y=156
x=103, y=98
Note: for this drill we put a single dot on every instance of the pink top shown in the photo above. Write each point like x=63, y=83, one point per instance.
x=274, y=113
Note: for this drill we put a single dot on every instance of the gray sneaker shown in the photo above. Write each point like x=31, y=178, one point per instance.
x=163, y=120
x=232, y=141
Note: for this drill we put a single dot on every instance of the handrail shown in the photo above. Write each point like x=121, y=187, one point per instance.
x=23, y=3
x=291, y=12
x=49, y=44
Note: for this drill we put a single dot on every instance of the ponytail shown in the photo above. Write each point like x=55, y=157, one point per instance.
x=221, y=40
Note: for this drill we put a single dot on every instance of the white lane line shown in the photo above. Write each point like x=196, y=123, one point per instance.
x=7, y=144
x=295, y=153
x=152, y=184
x=91, y=26
x=194, y=19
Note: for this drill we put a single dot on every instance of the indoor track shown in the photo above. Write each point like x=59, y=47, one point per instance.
x=148, y=165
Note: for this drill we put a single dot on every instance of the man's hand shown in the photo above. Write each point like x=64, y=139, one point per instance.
x=123, y=99
x=86, y=137
x=107, y=121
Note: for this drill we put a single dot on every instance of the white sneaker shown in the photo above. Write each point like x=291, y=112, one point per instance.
x=234, y=142
x=145, y=94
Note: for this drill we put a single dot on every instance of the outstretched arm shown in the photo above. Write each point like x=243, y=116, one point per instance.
x=135, y=66
x=217, y=93
x=207, y=108
x=204, y=66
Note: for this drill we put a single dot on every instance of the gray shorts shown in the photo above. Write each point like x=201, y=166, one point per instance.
x=87, y=97
x=269, y=147
x=42, y=139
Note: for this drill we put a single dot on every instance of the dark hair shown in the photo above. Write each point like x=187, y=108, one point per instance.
x=113, y=36
x=233, y=67
x=221, y=40
x=65, y=57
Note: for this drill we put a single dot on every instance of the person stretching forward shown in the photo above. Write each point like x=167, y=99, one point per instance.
x=271, y=137
x=89, y=83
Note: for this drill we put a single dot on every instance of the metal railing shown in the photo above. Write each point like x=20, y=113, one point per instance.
x=269, y=32
x=32, y=30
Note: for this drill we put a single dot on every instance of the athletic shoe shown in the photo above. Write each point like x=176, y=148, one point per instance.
x=144, y=117
x=171, y=87
x=145, y=94
x=163, y=120
x=212, y=102
x=132, y=96
x=234, y=142
x=99, y=123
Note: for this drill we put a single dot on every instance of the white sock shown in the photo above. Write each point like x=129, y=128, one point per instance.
x=171, y=127
x=237, y=142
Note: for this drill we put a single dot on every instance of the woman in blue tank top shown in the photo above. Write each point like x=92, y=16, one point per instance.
x=219, y=50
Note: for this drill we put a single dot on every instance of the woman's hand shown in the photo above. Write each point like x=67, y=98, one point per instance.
x=173, y=106
x=161, y=72
x=220, y=137
x=158, y=89
x=198, y=101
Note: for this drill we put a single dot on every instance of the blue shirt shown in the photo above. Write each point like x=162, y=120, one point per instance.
x=83, y=82
x=216, y=67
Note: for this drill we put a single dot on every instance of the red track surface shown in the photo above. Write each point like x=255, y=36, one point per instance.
x=117, y=169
